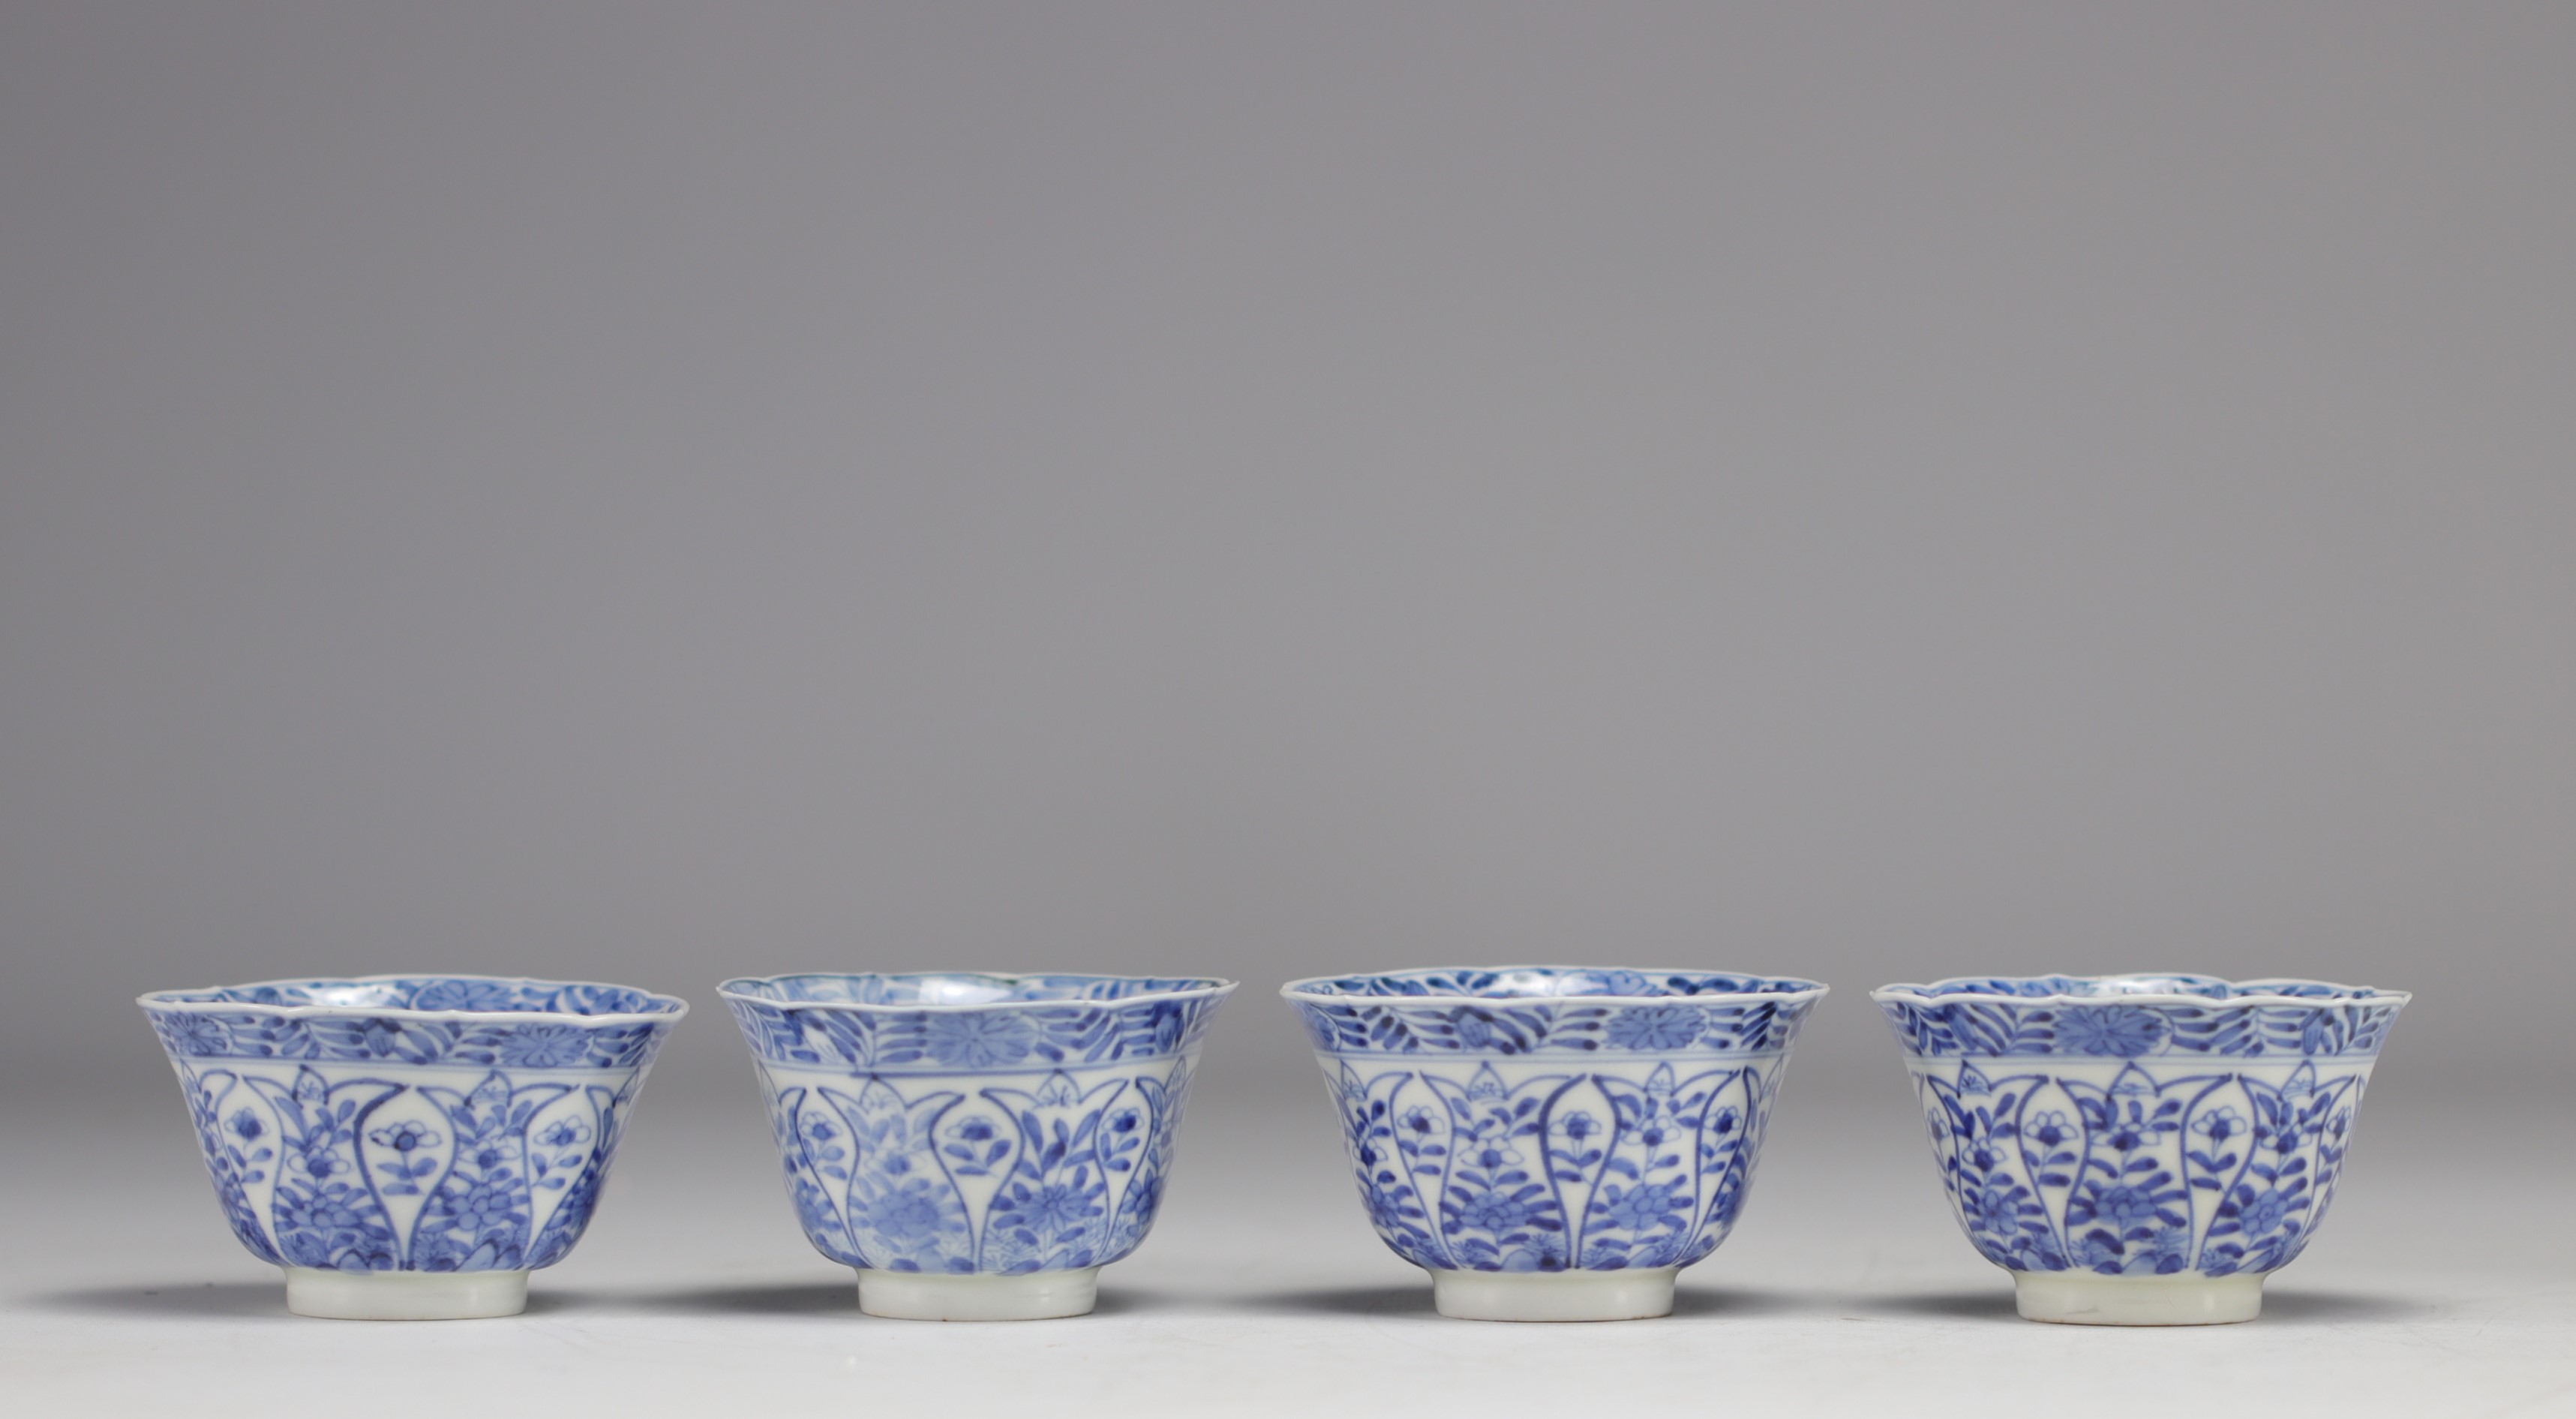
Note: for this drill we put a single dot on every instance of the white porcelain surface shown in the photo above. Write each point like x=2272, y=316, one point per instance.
x=405, y=1295
x=977, y=1145
x=2082, y=1298
x=1554, y=1295
x=1552, y=1142
x=410, y=1146
x=2139, y=1149
x=1040, y=1295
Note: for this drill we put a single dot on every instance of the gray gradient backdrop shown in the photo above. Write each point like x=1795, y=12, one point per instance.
x=1872, y=492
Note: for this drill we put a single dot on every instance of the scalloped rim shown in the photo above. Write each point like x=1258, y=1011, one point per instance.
x=161, y=1000
x=1806, y=989
x=1212, y=988
x=1939, y=990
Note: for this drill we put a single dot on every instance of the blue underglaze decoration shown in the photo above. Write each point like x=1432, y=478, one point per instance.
x=1550, y=1010
x=2131, y=1017
x=2128, y=1127
x=418, y=1020
x=975, y=1124
x=1525, y=1127
x=349, y=1141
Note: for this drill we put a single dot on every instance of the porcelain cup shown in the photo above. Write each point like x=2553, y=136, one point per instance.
x=2139, y=1149
x=410, y=1147
x=1552, y=1142
x=977, y=1146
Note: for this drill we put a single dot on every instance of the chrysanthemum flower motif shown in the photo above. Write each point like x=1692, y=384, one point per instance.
x=2125, y=1206
x=544, y=1046
x=1644, y=1207
x=1653, y=1027
x=1494, y=1211
x=199, y=1034
x=2126, y=1031
x=980, y=1039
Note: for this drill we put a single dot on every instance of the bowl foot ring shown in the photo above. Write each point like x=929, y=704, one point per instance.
x=1555, y=1295
x=1037, y=1295
x=405, y=1295
x=2083, y=1298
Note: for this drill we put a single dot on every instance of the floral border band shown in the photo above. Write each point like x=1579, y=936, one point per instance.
x=1955, y=1028
x=1556, y=1025
x=1033, y=1036
x=538, y=1044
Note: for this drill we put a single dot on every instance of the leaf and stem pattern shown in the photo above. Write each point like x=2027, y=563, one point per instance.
x=418, y=1021
x=1032, y=1134
x=1069, y=1034
x=410, y=1123
x=1552, y=1011
x=2133, y=1172
x=2107, y=1018
x=1481, y=1170
x=368, y=1171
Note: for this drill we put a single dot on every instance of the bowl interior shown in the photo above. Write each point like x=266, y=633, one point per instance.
x=950, y=988
x=1549, y=982
x=2129, y=987
x=433, y=994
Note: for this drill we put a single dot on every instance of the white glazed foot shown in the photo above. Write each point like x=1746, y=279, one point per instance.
x=1554, y=1295
x=1039, y=1295
x=2084, y=1298
x=405, y=1295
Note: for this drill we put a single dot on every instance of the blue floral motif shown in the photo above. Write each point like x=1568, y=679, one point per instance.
x=1562, y=1134
x=400, y=1175
x=1548, y=983
x=1026, y=1124
x=199, y=1035
x=1031, y=1021
x=437, y=994
x=980, y=1040
x=1653, y=1027
x=464, y=1020
x=466, y=995
x=966, y=988
x=341, y=1137
x=2135, y=1016
x=1534, y=1012
x=2063, y=1148
x=901, y=1205
x=2124, y=1030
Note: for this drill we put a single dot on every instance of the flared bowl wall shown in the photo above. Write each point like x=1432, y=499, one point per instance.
x=410, y=1147
x=2139, y=1149
x=1553, y=1142
x=977, y=1146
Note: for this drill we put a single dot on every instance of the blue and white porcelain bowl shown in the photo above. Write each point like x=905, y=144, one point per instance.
x=2139, y=1149
x=410, y=1147
x=977, y=1146
x=1552, y=1142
